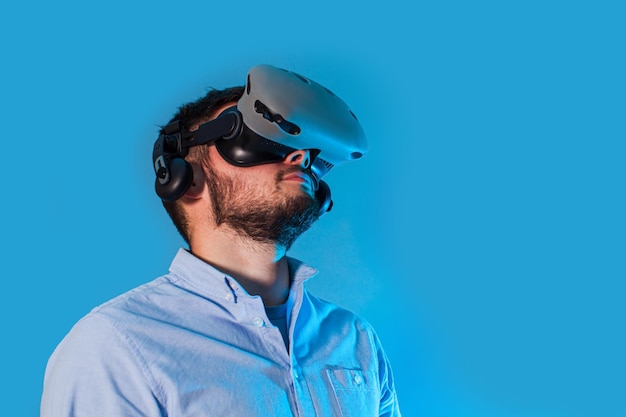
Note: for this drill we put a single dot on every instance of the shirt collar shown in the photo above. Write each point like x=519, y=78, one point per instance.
x=209, y=280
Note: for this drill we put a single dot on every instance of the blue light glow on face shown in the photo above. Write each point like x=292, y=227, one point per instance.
x=482, y=235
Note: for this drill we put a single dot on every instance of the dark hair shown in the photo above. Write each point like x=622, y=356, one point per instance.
x=191, y=115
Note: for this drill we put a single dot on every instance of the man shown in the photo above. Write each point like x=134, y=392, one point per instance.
x=231, y=331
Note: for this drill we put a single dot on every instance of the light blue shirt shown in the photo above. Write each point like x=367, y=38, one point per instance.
x=194, y=343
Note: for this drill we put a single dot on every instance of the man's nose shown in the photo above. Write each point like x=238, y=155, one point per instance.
x=300, y=157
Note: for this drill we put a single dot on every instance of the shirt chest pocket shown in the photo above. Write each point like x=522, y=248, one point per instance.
x=356, y=391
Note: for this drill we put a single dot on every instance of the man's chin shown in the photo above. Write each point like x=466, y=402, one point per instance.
x=303, y=203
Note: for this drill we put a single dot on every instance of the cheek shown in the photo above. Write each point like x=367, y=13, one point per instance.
x=260, y=176
x=266, y=176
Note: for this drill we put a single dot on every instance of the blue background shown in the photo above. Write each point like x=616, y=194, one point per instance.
x=483, y=235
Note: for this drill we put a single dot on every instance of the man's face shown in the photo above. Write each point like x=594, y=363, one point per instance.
x=270, y=203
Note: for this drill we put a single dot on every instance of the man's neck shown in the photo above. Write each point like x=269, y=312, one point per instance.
x=261, y=268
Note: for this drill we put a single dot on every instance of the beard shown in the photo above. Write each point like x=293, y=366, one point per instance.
x=278, y=217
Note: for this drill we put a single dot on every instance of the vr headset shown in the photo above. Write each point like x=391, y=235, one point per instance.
x=279, y=112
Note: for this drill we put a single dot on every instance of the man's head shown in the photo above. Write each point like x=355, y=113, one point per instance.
x=282, y=126
x=269, y=203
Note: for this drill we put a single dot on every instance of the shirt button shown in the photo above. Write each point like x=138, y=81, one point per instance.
x=229, y=297
x=257, y=321
x=358, y=379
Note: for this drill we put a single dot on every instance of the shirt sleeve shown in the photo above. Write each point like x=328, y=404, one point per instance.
x=95, y=372
x=388, y=398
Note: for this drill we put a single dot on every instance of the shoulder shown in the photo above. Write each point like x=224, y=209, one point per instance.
x=148, y=300
x=138, y=296
x=104, y=331
x=330, y=317
x=333, y=309
x=104, y=324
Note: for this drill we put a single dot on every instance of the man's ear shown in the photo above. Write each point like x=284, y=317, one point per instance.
x=198, y=183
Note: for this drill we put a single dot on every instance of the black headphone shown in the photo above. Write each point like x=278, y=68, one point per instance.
x=235, y=142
